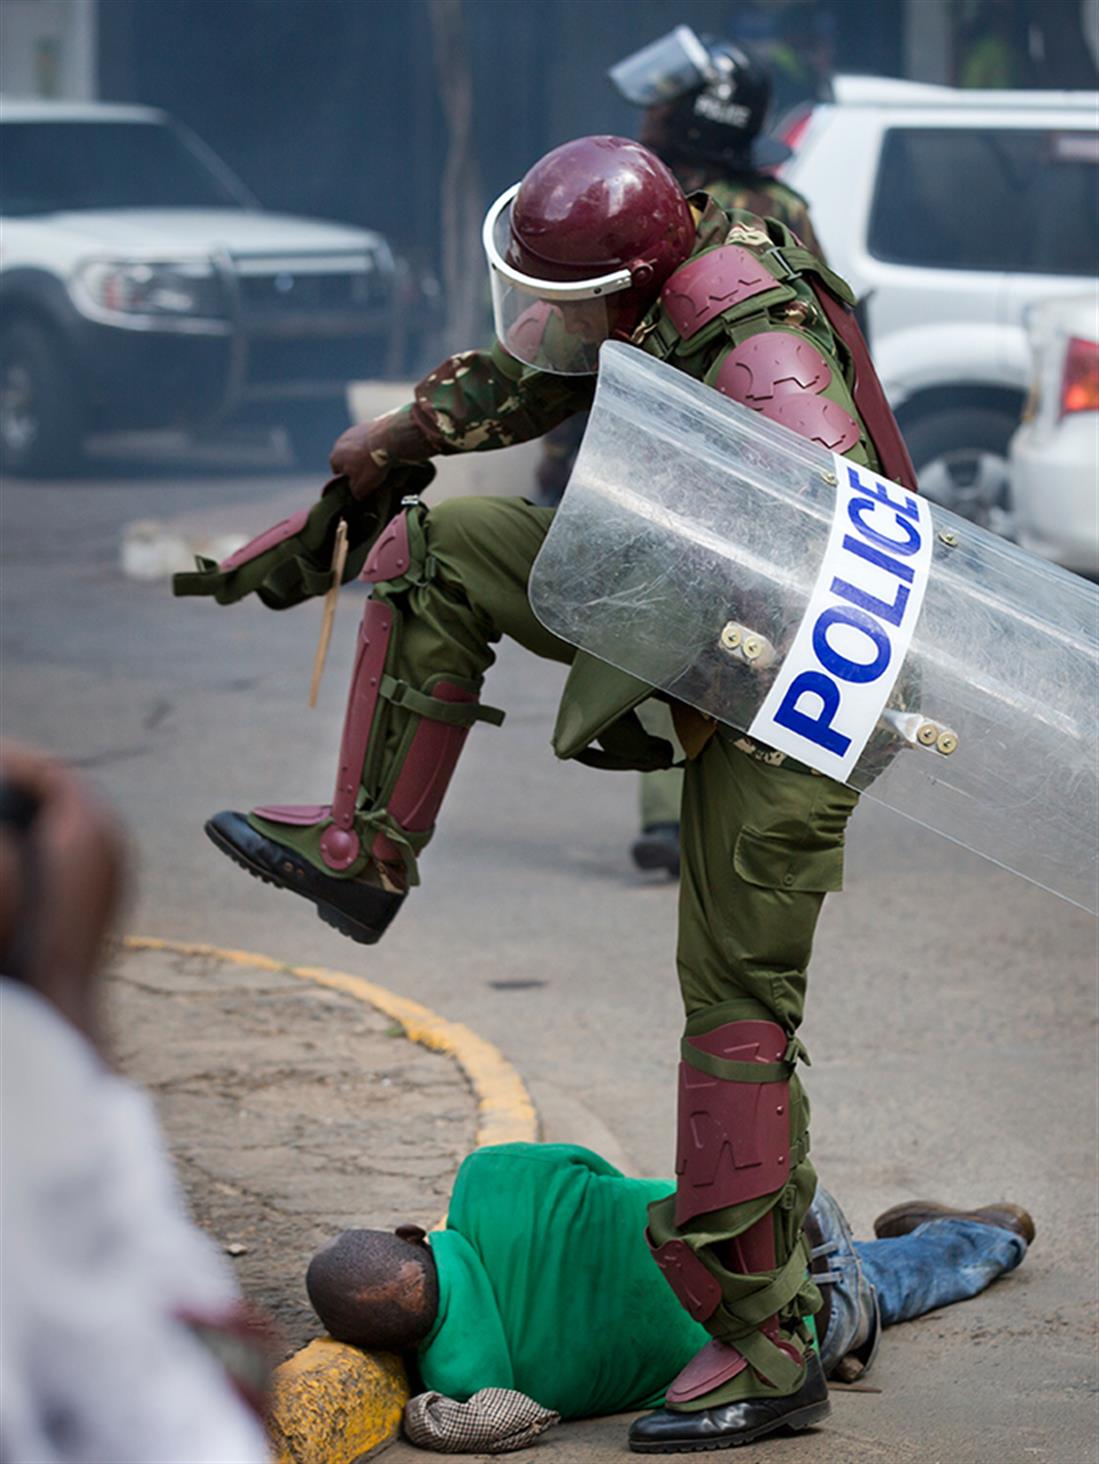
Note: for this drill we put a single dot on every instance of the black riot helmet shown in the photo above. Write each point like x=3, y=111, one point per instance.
x=704, y=100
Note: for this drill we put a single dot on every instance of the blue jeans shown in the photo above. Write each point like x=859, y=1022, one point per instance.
x=939, y=1262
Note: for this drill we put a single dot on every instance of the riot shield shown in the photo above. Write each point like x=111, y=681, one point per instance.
x=831, y=614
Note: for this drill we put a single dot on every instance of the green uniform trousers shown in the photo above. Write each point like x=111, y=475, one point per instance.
x=761, y=846
x=661, y=792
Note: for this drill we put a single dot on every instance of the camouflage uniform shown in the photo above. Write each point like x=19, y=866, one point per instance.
x=762, y=838
x=756, y=193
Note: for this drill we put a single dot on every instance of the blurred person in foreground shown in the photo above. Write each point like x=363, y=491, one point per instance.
x=541, y=1285
x=705, y=104
x=122, y=1334
x=596, y=243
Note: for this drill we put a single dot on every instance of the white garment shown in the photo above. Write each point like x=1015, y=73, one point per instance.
x=98, y=1258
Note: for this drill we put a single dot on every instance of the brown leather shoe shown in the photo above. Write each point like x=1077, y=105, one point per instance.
x=900, y=1219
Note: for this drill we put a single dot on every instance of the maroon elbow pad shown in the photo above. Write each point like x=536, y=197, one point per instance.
x=270, y=538
x=781, y=375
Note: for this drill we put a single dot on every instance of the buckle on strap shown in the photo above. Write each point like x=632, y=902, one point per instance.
x=784, y=269
x=796, y=1051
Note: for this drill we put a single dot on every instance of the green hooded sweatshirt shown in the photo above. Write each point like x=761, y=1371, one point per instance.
x=546, y=1285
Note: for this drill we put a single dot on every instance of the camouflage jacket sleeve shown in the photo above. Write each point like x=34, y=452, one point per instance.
x=479, y=400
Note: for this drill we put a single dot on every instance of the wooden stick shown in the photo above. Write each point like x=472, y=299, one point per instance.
x=339, y=559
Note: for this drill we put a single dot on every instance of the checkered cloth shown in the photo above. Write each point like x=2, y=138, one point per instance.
x=494, y=1421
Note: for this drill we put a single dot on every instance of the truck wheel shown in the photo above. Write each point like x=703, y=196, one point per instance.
x=41, y=404
x=312, y=429
x=960, y=458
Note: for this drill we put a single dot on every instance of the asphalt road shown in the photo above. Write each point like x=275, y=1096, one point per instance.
x=952, y=1012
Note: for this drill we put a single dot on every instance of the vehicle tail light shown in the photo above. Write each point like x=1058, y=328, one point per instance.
x=1080, y=379
x=795, y=125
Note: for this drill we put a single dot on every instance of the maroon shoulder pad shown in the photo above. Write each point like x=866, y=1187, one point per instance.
x=704, y=288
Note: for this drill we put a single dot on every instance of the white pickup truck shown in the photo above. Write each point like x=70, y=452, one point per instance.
x=142, y=286
x=950, y=212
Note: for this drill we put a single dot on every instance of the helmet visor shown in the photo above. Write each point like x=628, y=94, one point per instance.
x=553, y=325
x=664, y=70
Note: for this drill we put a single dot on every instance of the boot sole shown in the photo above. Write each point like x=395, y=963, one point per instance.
x=338, y=919
x=803, y=1418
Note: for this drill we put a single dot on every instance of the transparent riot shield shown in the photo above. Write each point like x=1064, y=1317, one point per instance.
x=827, y=612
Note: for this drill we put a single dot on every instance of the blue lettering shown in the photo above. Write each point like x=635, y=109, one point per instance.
x=841, y=666
x=908, y=545
x=814, y=729
x=910, y=508
x=892, y=614
x=883, y=561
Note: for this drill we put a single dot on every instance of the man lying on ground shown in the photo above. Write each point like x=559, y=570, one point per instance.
x=531, y=1287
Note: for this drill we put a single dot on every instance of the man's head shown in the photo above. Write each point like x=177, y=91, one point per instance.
x=374, y=1288
x=705, y=101
x=579, y=250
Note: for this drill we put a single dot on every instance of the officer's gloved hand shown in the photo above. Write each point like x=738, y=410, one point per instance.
x=361, y=456
x=292, y=561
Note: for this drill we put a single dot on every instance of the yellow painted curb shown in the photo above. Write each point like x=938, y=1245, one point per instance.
x=333, y=1403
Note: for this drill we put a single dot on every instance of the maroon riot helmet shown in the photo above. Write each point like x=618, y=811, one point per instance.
x=579, y=250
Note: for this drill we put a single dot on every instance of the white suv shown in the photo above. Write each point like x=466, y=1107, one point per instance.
x=141, y=285
x=950, y=212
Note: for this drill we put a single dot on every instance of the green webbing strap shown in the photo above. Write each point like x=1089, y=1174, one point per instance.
x=780, y=1370
x=661, y=339
x=732, y=1071
x=454, y=714
x=797, y=260
x=408, y=845
x=796, y=1051
x=752, y=1310
x=743, y=1072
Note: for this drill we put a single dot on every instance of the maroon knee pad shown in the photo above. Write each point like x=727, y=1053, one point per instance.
x=430, y=756
x=733, y=1135
x=781, y=375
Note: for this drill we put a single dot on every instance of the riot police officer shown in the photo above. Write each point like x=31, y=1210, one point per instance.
x=597, y=242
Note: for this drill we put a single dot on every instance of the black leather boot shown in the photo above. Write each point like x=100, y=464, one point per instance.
x=657, y=847
x=358, y=908
x=733, y=1424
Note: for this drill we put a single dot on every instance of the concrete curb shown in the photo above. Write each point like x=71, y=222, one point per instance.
x=332, y=1403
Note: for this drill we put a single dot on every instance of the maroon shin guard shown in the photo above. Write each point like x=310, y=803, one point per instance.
x=733, y=1146
x=444, y=712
